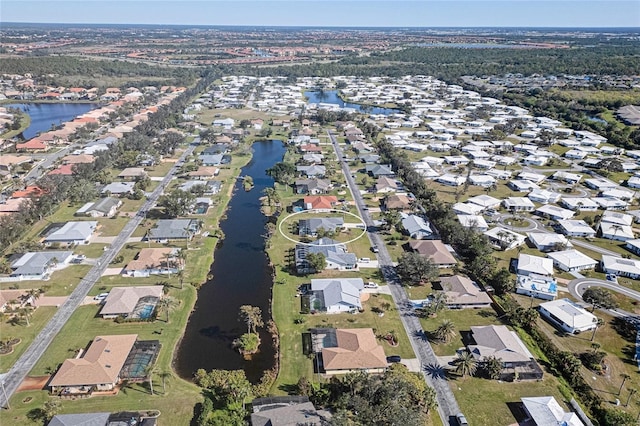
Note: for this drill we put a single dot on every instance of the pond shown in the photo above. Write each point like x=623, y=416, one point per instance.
x=44, y=115
x=331, y=97
x=241, y=275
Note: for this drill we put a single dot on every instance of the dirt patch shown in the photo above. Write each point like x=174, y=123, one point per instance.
x=34, y=383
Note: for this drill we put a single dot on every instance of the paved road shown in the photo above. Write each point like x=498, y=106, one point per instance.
x=579, y=286
x=432, y=370
x=37, y=171
x=25, y=363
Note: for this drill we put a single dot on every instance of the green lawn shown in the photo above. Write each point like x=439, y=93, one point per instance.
x=25, y=333
x=61, y=283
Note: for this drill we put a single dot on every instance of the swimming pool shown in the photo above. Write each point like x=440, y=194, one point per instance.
x=146, y=311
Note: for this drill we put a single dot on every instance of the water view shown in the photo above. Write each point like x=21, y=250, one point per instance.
x=331, y=97
x=240, y=276
x=43, y=116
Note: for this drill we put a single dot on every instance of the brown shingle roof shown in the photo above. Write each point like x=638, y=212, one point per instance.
x=100, y=364
x=122, y=300
x=461, y=290
x=434, y=250
x=357, y=349
x=150, y=258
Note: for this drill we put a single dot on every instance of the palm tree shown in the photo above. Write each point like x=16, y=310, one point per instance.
x=270, y=193
x=167, y=304
x=164, y=375
x=180, y=275
x=466, y=364
x=25, y=313
x=625, y=377
x=34, y=294
x=446, y=330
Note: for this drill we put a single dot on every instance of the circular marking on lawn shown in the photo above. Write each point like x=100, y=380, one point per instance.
x=315, y=211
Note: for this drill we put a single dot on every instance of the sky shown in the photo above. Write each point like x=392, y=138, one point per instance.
x=331, y=13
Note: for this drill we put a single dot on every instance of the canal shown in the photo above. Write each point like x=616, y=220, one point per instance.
x=44, y=115
x=240, y=275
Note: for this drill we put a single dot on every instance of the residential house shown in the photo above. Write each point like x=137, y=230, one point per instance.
x=616, y=232
x=173, y=229
x=617, y=218
x=153, y=261
x=336, y=295
x=436, y=251
x=451, y=180
x=610, y=203
x=334, y=252
x=400, y=202
x=98, y=368
x=287, y=410
x=567, y=177
x=461, y=292
x=72, y=233
x=576, y=228
x=467, y=208
x=377, y=170
x=568, y=316
x=521, y=185
x=313, y=158
x=205, y=187
x=472, y=221
x=355, y=349
x=538, y=286
x=314, y=170
x=81, y=419
x=39, y=265
x=554, y=212
x=633, y=246
x=518, y=204
x=500, y=342
x=416, y=227
x=106, y=207
x=310, y=227
x=572, y=260
x=385, y=185
x=545, y=411
x=210, y=160
x=204, y=173
x=579, y=204
x=485, y=201
x=619, y=266
x=504, y=239
x=118, y=189
x=131, y=302
x=548, y=242
x=312, y=186
x=529, y=264
x=320, y=202
x=133, y=173
x=543, y=196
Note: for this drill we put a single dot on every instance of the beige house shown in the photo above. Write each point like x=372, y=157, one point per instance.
x=96, y=369
x=132, y=173
x=131, y=302
x=356, y=350
x=461, y=292
x=397, y=202
x=434, y=250
x=204, y=172
x=153, y=261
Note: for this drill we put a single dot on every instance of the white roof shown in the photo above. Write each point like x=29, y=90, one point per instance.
x=545, y=411
x=555, y=211
x=572, y=258
x=535, y=264
x=518, y=202
x=472, y=221
x=618, y=264
x=569, y=313
x=606, y=202
x=543, y=239
x=579, y=226
x=577, y=202
x=616, y=231
x=466, y=208
x=484, y=200
x=533, y=177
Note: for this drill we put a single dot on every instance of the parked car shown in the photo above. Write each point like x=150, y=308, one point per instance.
x=394, y=358
x=613, y=278
x=371, y=284
x=101, y=297
x=462, y=420
x=375, y=249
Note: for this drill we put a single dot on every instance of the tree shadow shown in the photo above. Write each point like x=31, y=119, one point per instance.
x=289, y=388
x=435, y=371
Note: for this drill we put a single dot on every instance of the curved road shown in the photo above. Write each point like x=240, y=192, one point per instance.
x=12, y=379
x=579, y=286
x=432, y=370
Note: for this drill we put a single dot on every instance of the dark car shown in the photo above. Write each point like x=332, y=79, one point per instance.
x=394, y=358
x=375, y=249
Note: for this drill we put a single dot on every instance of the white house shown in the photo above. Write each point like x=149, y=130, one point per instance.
x=620, y=266
x=568, y=316
x=471, y=221
x=467, y=208
x=567, y=177
x=579, y=204
x=543, y=196
x=518, y=204
x=485, y=201
x=572, y=260
x=616, y=232
x=619, y=193
x=484, y=181
x=521, y=185
x=545, y=411
x=634, y=182
x=554, y=212
x=451, y=180
x=547, y=242
x=336, y=295
x=609, y=203
x=504, y=239
x=529, y=264
x=538, y=286
x=576, y=228
x=532, y=177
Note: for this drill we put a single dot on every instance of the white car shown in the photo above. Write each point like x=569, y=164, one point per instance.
x=101, y=297
x=371, y=284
